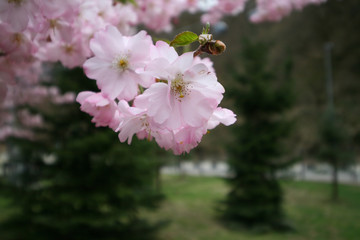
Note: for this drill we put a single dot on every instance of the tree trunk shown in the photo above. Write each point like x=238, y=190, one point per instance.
x=158, y=179
x=335, y=182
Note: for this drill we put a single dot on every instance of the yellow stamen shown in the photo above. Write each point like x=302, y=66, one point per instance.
x=122, y=63
x=18, y=38
x=53, y=23
x=179, y=87
x=69, y=49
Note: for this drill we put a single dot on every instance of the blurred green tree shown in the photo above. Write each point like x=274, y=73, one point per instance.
x=255, y=197
x=334, y=145
x=334, y=148
x=88, y=185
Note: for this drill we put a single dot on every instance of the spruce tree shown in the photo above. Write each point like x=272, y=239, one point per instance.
x=255, y=197
x=334, y=147
x=92, y=189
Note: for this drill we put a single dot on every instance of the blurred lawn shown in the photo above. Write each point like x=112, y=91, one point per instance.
x=5, y=211
x=191, y=203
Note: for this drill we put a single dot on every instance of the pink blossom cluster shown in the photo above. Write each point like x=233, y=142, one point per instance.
x=265, y=10
x=34, y=31
x=19, y=123
x=174, y=99
x=159, y=15
x=275, y=10
x=37, y=31
x=221, y=8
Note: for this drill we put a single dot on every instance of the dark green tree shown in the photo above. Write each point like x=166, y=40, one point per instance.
x=93, y=188
x=334, y=148
x=261, y=100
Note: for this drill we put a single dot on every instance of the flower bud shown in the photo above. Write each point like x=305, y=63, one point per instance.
x=204, y=38
x=217, y=47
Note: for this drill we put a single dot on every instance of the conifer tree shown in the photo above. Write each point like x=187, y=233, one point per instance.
x=92, y=189
x=255, y=197
x=334, y=148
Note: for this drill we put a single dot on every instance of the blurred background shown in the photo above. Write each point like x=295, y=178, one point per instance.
x=288, y=169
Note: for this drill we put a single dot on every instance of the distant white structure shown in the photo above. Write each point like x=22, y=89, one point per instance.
x=301, y=171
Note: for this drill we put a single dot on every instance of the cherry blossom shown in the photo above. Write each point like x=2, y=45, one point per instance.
x=116, y=60
x=189, y=96
x=16, y=13
x=133, y=120
x=270, y=10
x=145, y=89
x=103, y=109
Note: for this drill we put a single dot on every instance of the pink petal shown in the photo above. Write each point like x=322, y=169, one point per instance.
x=155, y=100
x=165, y=51
x=82, y=96
x=175, y=120
x=140, y=46
x=221, y=115
x=196, y=110
x=182, y=63
x=157, y=68
x=96, y=68
x=130, y=86
x=129, y=129
x=111, y=86
x=107, y=44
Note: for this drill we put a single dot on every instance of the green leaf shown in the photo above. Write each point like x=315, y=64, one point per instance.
x=184, y=38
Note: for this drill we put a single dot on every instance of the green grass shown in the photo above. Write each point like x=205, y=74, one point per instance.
x=191, y=203
x=5, y=211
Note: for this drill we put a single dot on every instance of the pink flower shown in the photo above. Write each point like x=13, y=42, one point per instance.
x=98, y=13
x=180, y=140
x=8, y=131
x=126, y=18
x=54, y=9
x=221, y=8
x=103, y=109
x=16, y=13
x=63, y=99
x=30, y=120
x=275, y=10
x=16, y=44
x=186, y=138
x=186, y=95
x=71, y=54
x=117, y=58
x=158, y=14
x=133, y=120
